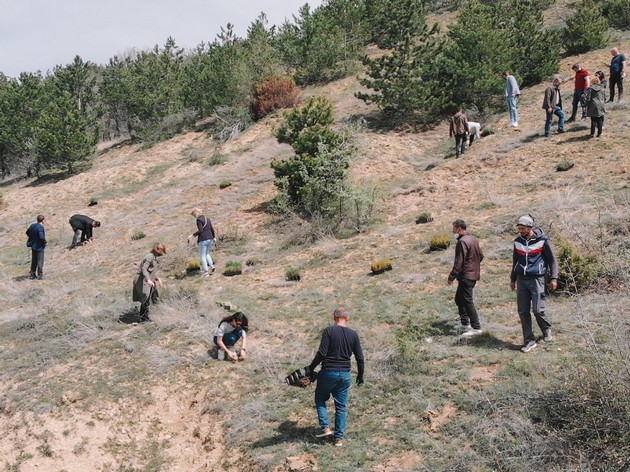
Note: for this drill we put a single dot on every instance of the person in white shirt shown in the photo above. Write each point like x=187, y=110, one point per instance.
x=474, y=130
x=231, y=329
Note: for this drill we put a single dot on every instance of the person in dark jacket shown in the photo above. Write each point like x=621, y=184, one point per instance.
x=467, y=270
x=82, y=226
x=459, y=128
x=206, y=240
x=37, y=242
x=337, y=346
x=532, y=259
x=595, y=106
x=552, y=104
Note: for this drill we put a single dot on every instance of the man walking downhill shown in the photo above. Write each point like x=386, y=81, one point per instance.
x=337, y=346
x=37, y=242
x=532, y=259
x=512, y=93
x=466, y=269
x=617, y=74
x=459, y=128
x=552, y=104
x=579, y=93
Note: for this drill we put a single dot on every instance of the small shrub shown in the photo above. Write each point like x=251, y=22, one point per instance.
x=136, y=235
x=233, y=268
x=252, y=261
x=440, y=242
x=93, y=201
x=487, y=131
x=292, y=274
x=274, y=93
x=225, y=184
x=424, y=217
x=217, y=158
x=381, y=265
x=193, y=265
x=576, y=270
x=563, y=165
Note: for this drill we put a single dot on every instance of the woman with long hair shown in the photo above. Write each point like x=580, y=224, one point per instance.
x=231, y=329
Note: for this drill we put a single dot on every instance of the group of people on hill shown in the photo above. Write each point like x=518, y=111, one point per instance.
x=589, y=94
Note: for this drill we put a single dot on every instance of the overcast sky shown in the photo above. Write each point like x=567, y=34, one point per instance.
x=40, y=34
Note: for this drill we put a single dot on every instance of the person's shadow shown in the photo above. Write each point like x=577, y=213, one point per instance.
x=288, y=431
x=131, y=316
x=488, y=341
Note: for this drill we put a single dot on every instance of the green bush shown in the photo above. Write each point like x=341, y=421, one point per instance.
x=381, y=265
x=225, y=184
x=292, y=274
x=233, y=268
x=93, y=201
x=440, y=242
x=586, y=31
x=617, y=12
x=577, y=271
x=138, y=234
x=193, y=265
x=217, y=158
x=564, y=165
x=424, y=217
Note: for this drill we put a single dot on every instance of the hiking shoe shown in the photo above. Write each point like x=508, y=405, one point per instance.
x=462, y=327
x=472, y=332
x=338, y=443
x=325, y=433
x=529, y=346
x=212, y=269
x=547, y=337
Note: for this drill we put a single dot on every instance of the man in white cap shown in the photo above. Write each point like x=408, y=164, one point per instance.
x=532, y=258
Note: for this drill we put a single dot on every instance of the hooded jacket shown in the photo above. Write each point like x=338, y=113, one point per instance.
x=533, y=257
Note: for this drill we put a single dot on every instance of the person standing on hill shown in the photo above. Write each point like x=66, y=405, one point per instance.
x=337, y=346
x=82, y=226
x=617, y=74
x=552, y=104
x=459, y=128
x=206, y=240
x=147, y=282
x=512, y=92
x=596, y=106
x=467, y=270
x=579, y=93
x=532, y=259
x=37, y=242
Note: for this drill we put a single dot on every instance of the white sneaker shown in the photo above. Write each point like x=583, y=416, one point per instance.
x=515, y=124
x=529, y=346
x=472, y=332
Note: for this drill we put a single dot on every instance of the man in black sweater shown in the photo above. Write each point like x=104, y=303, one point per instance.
x=337, y=346
x=82, y=226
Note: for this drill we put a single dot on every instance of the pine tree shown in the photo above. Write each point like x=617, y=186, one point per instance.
x=586, y=30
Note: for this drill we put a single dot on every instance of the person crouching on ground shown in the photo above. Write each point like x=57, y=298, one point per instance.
x=147, y=282
x=82, y=226
x=337, y=346
x=230, y=330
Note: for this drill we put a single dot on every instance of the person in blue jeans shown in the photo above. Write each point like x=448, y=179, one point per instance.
x=231, y=329
x=337, y=346
x=206, y=239
x=552, y=104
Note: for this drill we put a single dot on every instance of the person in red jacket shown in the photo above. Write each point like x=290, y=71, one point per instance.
x=466, y=269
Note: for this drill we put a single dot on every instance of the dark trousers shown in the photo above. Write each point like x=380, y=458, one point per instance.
x=37, y=263
x=579, y=96
x=144, y=306
x=471, y=138
x=597, y=122
x=460, y=144
x=616, y=79
x=465, y=304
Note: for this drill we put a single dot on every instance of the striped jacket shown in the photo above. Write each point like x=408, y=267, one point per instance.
x=533, y=257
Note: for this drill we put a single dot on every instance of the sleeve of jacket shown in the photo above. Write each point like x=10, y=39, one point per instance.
x=199, y=228
x=550, y=259
x=458, y=263
x=42, y=235
x=358, y=356
x=514, y=261
x=144, y=267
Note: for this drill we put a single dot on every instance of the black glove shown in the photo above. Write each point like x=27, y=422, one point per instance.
x=359, y=380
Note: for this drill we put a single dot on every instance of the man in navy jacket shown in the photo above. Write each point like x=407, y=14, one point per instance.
x=37, y=242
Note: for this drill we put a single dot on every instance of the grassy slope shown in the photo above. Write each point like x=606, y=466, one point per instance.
x=80, y=388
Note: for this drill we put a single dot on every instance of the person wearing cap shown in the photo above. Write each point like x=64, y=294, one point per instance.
x=206, y=240
x=337, y=346
x=532, y=259
x=467, y=270
x=82, y=226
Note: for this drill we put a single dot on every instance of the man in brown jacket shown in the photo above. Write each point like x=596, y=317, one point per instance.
x=459, y=128
x=466, y=269
x=552, y=104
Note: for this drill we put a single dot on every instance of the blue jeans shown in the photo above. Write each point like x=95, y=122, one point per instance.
x=511, y=103
x=337, y=383
x=230, y=339
x=560, y=114
x=204, y=254
x=530, y=294
x=579, y=96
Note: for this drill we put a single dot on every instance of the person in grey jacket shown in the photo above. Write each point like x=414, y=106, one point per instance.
x=595, y=106
x=512, y=92
x=532, y=259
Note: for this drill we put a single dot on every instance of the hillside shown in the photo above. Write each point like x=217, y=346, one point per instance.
x=82, y=390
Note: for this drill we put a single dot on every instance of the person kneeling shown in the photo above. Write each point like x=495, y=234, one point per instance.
x=230, y=330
